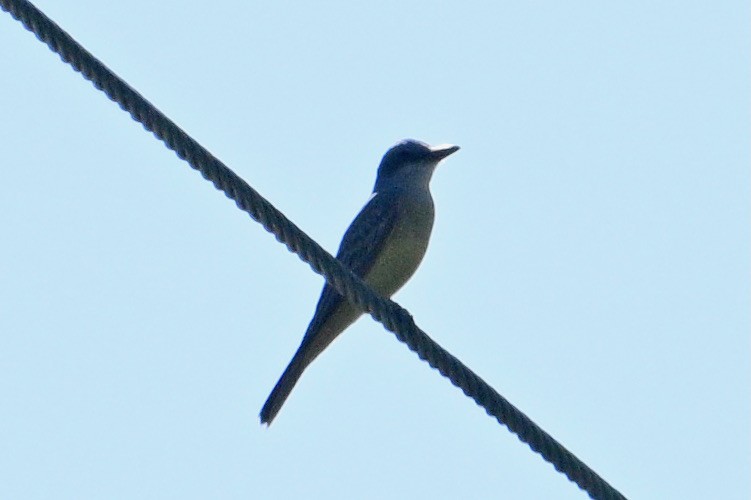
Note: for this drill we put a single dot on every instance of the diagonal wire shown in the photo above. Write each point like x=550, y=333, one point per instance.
x=394, y=317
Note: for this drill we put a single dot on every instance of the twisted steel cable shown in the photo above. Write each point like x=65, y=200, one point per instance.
x=395, y=318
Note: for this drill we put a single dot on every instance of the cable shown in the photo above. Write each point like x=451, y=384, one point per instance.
x=395, y=318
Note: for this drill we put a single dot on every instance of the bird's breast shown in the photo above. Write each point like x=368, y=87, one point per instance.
x=405, y=246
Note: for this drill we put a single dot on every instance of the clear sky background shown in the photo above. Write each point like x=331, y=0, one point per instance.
x=590, y=257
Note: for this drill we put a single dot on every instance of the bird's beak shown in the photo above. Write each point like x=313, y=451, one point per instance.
x=442, y=151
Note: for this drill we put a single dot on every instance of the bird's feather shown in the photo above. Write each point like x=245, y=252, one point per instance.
x=359, y=248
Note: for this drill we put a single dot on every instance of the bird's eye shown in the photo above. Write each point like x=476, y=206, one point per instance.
x=409, y=153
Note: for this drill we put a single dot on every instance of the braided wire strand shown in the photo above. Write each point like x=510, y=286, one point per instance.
x=395, y=318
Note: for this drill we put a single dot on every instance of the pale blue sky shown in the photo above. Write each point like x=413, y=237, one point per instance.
x=590, y=258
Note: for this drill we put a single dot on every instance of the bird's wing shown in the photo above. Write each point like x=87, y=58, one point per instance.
x=360, y=247
x=365, y=237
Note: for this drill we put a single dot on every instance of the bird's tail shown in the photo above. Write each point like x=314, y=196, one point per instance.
x=283, y=387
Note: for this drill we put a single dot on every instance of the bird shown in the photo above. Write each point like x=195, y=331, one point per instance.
x=384, y=245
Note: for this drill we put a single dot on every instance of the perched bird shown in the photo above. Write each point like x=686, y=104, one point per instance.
x=384, y=245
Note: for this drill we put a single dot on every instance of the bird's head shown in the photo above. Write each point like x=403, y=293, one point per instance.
x=411, y=160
